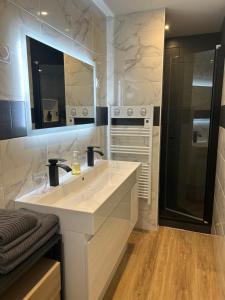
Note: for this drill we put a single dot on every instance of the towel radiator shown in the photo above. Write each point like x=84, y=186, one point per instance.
x=131, y=139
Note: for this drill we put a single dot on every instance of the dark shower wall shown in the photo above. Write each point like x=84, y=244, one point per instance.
x=188, y=76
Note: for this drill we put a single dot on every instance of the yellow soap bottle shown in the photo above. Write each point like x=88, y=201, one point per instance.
x=75, y=163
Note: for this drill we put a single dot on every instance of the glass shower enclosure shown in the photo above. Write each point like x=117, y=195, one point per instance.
x=188, y=87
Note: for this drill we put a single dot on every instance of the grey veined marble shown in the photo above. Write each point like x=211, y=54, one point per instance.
x=135, y=61
x=137, y=49
x=78, y=28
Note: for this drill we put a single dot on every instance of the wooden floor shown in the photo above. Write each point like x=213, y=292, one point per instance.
x=171, y=264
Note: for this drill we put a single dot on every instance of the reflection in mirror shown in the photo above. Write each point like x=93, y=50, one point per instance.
x=61, y=87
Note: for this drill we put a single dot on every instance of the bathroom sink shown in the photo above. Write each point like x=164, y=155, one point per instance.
x=97, y=211
x=90, y=196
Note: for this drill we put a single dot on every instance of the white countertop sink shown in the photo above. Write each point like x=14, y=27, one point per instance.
x=85, y=200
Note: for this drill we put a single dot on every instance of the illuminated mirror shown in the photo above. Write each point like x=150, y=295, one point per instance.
x=61, y=88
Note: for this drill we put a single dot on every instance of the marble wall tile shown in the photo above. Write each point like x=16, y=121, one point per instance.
x=100, y=48
x=82, y=31
x=32, y=6
x=54, y=38
x=221, y=143
x=141, y=22
x=138, y=36
x=223, y=95
x=19, y=166
x=70, y=142
x=220, y=200
x=78, y=51
x=143, y=215
x=98, y=18
x=23, y=160
x=25, y=169
x=111, y=74
x=148, y=214
x=144, y=44
x=76, y=19
x=138, y=93
x=99, y=41
x=156, y=149
x=14, y=21
x=143, y=69
x=220, y=170
x=135, y=52
x=155, y=200
x=101, y=74
x=138, y=54
x=60, y=15
x=217, y=227
x=218, y=223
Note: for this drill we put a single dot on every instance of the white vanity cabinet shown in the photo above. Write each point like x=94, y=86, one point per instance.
x=95, y=225
x=101, y=253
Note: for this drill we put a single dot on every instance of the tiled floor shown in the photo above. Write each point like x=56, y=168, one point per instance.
x=171, y=264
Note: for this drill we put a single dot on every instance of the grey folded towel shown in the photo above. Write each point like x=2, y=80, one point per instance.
x=48, y=223
x=6, y=268
x=15, y=223
x=7, y=247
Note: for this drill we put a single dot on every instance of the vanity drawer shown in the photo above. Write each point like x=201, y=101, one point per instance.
x=42, y=281
x=105, y=248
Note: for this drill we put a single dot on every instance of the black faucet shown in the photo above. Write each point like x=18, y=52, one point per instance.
x=54, y=170
x=90, y=154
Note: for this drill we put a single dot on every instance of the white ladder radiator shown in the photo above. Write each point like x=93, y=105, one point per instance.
x=131, y=140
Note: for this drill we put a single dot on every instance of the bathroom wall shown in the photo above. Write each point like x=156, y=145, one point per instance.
x=218, y=222
x=74, y=26
x=135, y=70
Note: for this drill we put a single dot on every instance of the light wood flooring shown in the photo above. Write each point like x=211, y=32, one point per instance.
x=171, y=264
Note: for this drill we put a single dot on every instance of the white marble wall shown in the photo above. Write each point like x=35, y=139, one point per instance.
x=218, y=224
x=135, y=61
x=78, y=28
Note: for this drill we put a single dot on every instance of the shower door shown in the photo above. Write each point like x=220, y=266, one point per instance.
x=189, y=83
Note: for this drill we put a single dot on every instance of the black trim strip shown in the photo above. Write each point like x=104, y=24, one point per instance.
x=12, y=119
x=128, y=121
x=101, y=115
x=222, y=116
x=156, y=118
x=82, y=121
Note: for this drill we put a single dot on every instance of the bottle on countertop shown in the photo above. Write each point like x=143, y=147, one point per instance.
x=75, y=163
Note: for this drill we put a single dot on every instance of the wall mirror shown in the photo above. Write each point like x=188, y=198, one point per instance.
x=62, y=88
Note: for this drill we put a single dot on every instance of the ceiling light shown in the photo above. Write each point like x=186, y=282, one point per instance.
x=167, y=27
x=44, y=13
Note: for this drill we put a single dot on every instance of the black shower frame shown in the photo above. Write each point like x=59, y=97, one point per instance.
x=217, y=39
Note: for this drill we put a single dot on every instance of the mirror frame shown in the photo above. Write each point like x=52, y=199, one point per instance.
x=30, y=130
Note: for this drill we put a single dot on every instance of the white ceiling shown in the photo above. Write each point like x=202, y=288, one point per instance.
x=186, y=17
